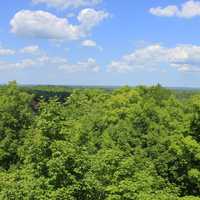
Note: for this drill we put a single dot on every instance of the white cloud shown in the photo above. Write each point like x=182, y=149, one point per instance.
x=56, y=62
x=6, y=52
x=68, y=3
x=34, y=49
x=41, y=24
x=89, y=18
x=182, y=57
x=168, y=11
x=89, y=43
x=85, y=66
x=26, y=63
x=188, y=9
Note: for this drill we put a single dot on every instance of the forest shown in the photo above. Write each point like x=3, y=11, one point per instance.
x=128, y=143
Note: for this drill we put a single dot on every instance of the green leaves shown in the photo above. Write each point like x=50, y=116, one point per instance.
x=128, y=144
x=15, y=117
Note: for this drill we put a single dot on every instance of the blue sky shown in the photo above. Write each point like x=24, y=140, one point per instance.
x=100, y=42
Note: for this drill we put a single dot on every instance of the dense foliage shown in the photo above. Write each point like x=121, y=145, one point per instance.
x=126, y=144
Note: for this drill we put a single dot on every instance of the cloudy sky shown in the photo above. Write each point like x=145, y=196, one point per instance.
x=100, y=42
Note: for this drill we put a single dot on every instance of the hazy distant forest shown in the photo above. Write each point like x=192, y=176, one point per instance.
x=60, y=143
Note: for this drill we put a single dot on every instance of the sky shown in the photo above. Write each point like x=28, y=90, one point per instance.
x=100, y=42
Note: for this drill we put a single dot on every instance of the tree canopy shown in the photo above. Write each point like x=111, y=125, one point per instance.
x=138, y=143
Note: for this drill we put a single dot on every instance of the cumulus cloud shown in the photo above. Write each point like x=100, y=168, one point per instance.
x=188, y=9
x=34, y=49
x=68, y=3
x=182, y=57
x=59, y=63
x=168, y=11
x=89, y=18
x=26, y=63
x=41, y=24
x=85, y=66
x=89, y=43
x=89, y=65
x=6, y=52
